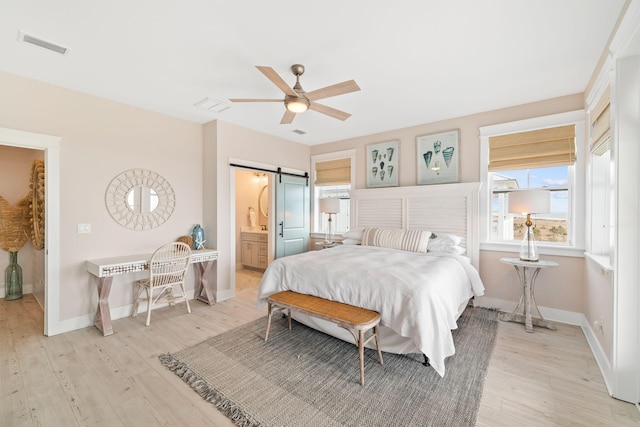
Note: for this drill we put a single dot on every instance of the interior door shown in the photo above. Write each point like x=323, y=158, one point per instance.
x=292, y=215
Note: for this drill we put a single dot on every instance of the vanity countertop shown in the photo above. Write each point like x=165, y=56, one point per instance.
x=253, y=230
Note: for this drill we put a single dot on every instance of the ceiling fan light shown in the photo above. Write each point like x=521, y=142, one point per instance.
x=299, y=105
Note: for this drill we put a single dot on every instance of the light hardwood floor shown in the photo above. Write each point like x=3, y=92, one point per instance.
x=82, y=378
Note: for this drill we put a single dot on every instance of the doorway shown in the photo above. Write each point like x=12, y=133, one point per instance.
x=51, y=279
x=252, y=227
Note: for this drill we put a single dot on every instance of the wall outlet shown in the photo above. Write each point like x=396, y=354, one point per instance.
x=597, y=326
x=84, y=228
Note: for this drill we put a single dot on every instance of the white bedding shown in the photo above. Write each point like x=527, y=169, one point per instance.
x=418, y=295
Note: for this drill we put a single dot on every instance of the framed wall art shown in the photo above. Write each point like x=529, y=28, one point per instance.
x=382, y=164
x=438, y=157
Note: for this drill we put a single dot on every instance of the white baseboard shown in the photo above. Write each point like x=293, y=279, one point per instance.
x=553, y=314
x=561, y=316
x=26, y=289
x=116, y=313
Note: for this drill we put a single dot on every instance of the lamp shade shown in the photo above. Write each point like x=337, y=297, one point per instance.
x=330, y=205
x=529, y=201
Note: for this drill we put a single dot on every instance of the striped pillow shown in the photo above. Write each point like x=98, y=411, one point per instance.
x=396, y=238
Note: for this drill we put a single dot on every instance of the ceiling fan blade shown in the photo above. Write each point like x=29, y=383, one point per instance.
x=333, y=90
x=255, y=100
x=271, y=74
x=329, y=111
x=287, y=118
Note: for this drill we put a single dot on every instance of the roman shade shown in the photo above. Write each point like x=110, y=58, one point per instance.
x=333, y=172
x=533, y=149
x=601, y=124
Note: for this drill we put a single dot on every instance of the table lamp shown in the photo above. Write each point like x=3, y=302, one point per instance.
x=330, y=207
x=529, y=202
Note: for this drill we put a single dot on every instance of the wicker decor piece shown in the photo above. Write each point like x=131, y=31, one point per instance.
x=15, y=224
x=188, y=240
x=37, y=204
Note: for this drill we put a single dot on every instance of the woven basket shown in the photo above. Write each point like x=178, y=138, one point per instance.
x=15, y=224
x=186, y=239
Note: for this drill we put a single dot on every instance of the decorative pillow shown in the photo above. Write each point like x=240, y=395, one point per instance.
x=396, y=238
x=354, y=234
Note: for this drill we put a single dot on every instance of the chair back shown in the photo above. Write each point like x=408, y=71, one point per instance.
x=168, y=264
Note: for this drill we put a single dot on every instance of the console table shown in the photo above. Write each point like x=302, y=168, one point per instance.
x=527, y=273
x=104, y=269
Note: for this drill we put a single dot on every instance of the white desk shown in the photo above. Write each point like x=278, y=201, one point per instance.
x=527, y=272
x=104, y=269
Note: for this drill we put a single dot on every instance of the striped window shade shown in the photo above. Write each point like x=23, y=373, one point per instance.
x=533, y=149
x=333, y=172
x=601, y=125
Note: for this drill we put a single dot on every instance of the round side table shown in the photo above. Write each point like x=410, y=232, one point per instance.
x=527, y=273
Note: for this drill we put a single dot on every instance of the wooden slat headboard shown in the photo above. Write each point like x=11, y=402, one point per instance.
x=444, y=208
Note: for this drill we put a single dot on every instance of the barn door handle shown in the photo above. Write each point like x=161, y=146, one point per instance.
x=281, y=228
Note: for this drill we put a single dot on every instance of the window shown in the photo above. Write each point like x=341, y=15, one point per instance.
x=601, y=182
x=538, y=153
x=334, y=176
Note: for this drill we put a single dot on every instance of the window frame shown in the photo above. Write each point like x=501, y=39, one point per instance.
x=316, y=227
x=576, y=185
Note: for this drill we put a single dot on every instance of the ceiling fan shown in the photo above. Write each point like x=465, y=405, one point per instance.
x=296, y=100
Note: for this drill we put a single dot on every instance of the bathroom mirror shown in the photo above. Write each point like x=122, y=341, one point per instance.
x=140, y=199
x=263, y=201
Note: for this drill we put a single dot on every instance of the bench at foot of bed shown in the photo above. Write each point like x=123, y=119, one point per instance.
x=346, y=316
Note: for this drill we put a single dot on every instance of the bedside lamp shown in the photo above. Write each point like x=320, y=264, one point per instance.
x=529, y=202
x=330, y=207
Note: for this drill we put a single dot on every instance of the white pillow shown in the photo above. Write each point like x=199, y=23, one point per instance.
x=449, y=249
x=445, y=239
x=395, y=238
x=354, y=234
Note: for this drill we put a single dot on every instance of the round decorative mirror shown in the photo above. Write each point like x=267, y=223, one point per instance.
x=263, y=202
x=140, y=199
x=37, y=204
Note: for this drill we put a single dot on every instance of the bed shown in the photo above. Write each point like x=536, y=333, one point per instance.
x=419, y=284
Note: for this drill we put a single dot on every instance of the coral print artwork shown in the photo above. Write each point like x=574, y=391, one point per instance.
x=437, y=156
x=382, y=164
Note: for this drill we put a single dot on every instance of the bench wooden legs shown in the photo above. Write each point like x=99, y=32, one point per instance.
x=361, y=342
x=273, y=308
x=360, y=339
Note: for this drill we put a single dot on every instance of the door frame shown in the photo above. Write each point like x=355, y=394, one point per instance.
x=232, y=210
x=51, y=146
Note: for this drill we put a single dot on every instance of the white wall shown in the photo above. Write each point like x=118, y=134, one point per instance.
x=560, y=289
x=100, y=139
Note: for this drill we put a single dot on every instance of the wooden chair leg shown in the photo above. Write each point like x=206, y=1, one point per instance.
x=149, y=303
x=186, y=300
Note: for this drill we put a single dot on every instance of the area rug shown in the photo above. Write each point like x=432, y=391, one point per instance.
x=306, y=378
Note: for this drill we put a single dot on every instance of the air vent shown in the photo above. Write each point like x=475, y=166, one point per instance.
x=27, y=38
x=212, y=105
x=299, y=132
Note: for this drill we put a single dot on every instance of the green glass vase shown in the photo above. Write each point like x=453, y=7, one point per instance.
x=13, y=278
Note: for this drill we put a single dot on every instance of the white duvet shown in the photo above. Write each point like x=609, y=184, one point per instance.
x=417, y=295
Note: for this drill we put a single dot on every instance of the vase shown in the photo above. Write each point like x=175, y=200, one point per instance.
x=198, y=237
x=13, y=278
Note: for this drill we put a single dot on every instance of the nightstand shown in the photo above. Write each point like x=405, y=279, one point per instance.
x=527, y=273
x=325, y=245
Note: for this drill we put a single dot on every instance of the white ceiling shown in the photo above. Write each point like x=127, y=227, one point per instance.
x=416, y=61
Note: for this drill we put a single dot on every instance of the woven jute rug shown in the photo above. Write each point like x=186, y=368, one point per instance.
x=306, y=378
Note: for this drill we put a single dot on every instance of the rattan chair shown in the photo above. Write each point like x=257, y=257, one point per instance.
x=167, y=269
